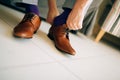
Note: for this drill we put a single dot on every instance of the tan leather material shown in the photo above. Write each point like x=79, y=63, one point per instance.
x=28, y=26
x=60, y=37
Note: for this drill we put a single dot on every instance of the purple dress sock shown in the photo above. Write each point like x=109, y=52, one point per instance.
x=28, y=7
x=61, y=19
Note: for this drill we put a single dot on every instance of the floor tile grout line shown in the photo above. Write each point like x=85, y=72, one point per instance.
x=20, y=66
x=79, y=57
x=62, y=65
x=70, y=71
x=60, y=62
x=25, y=65
x=10, y=26
x=88, y=57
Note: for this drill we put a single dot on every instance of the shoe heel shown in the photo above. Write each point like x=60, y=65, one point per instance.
x=35, y=32
x=50, y=36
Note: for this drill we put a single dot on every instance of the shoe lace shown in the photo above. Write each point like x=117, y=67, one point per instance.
x=67, y=33
x=29, y=17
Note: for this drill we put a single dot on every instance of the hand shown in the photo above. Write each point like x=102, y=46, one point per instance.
x=75, y=20
x=76, y=16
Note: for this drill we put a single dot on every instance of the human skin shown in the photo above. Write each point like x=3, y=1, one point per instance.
x=52, y=11
x=76, y=16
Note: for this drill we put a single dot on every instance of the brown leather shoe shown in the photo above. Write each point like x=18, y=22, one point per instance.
x=28, y=26
x=59, y=34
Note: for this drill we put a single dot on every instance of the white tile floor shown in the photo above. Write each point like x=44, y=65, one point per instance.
x=38, y=59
